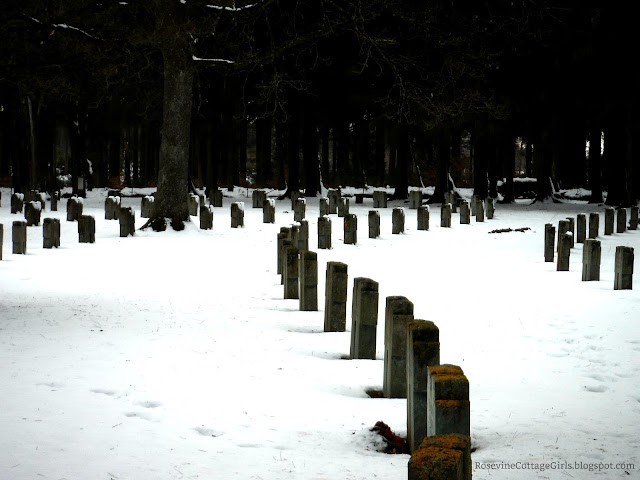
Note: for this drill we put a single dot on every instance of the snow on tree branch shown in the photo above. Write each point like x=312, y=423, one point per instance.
x=232, y=9
x=217, y=60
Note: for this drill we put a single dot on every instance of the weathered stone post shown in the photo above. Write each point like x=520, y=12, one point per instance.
x=442, y=457
x=364, y=318
x=335, y=307
x=581, y=228
x=206, y=217
x=445, y=215
x=111, y=208
x=474, y=204
x=415, y=199
x=324, y=232
x=423, y=217
x=591, y=256
x=563, y=228
x=295, y=234
x=282, y=236
x=294, y=198
x=398, y=314
x=633, y=218
x=237, y=214
x=334, y=197
x=623, y=272
x=54, y=201
x=303, y=236
x=51, y=233
x=609, y=214
x=215, y=197
x=465, y=215
x=194, y=203
x=32, y=212
x=423, y=350
x=374, y=224
x=291, y=273
x=19, y=237
x=450, y=197
x=127, y=219
x=17, y=202
x=564, y=250
x=286, y=243
x=594, y=225
x=147, y=206
x=621, y=223
x=572, y=230
x=397, y=220
x=549, y=242
x=269, y=211
x=479, y=210
x=299, y=209
x=324, y=206
x=86, y=229
x=343, y=207
x=490, y=207
x=258, y=197
x=350, y=229
x=74, y=209
x=308, y=276
x=202, y=200
x=448, y=407
x=379, y=199
x=42, y=198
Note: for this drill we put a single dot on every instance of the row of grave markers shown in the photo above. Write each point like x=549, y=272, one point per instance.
x=572, y=231
x=438, y=408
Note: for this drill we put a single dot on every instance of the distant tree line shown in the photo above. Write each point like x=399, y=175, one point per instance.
x=292, y=93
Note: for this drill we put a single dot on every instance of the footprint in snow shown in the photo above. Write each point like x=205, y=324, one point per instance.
x=596, y=388
x=208, y=432
x=141, y=415
x=104, y=391
x=149, y=404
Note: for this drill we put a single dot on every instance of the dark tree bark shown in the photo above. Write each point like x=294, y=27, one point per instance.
x=528, y=159
x=616, y=149
x=402, y=163
x=595, y=165
x=543, y=161
x=443, y=158
x=293, y=154
x=310, y=157
x=263, y=151
x=508, y=158
x=379, y=153
x=481, y=155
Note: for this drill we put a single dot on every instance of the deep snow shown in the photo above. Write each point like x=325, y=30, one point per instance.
x=174, y=355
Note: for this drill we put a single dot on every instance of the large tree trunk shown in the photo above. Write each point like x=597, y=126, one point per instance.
x=543, y=161
x=595, y=165
x=616, y=149
x=443, y=157
x=508, y=158
x=402, y=163
x=263, y=151
x=172, y=195
x=481, y=154
x=310, y=156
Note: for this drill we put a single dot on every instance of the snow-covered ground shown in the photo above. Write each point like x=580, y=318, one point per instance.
x=174, y=355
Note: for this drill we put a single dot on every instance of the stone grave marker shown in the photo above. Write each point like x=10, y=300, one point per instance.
x=609, y=214
x=32, y=213
x=335, y=309
x=423, y=217
x=17, y=202
x=594, y=225
x=445, y=215
x=379, y=199
x=448, y=407
x=621, y=220
x=19, y=237
x=350, y=229
x=51, y=233
x=127, y=220
x=415, y=199
x=364, y=318
x=299, y=210
x=308, y=276
x=324, y=233
x=86, y=229
x=343, y=206
x=591, y=257
x=206, y=217
x=237, y=214
x=549, y=242
x=398, y=314
x=623, y=271
x=374, y=224
x=324, y=206
x=397, y=220
x=269, y=211
x=291, y=273
x=581, y=228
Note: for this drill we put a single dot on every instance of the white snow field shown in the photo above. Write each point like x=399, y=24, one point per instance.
x=174, y=355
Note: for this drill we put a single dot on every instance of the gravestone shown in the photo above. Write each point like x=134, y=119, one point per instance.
x=111, y=208
x=295, y=234
x=324, y=206
x=127, y=219
x=299, y=209
x=291, y=273
x=415, y=199
x=479, y=210
x=350, y=229
x=490, y=207
x=609, y=214
x=335, y=307
x=594, y=225
x=258, y=198
x=445, y=215
x=51, y=233
x=202, y=200
x=581, y=228
x=215, y=197
x=549, y=242
x=54, y=201
x=379, y=199
x=364, y=318
x=32, y=212
x=398, y=314
x=465, y=214
x=423, y=217
x=623, y=271
x=17, y=202
x=564, y=250
x=374, y=224
x=591, y=257
x=308, y=276
x=423, y=351
x=450, y=197
x=324, y=233
x=334, y=197
x=572, y=230
x=237, y=214
x=86, y=229
x=283, y=234
x=75, y=207
x=633, y=218
x=303, y=236
x=621, y=220
x=147, y=207
x=442, y=457
x=563, y=228
x=448, y=407
x=474, y=204
x=269, y=211
x=206, y=217
x=343, y=207
x=194, y=204
x=397, y=220
x=286, y=243
x=19, y=237
x=294, y=198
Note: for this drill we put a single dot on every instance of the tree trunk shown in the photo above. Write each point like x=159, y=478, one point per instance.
x=508, y=158
x=310, y=157
x=402, y=163
x=481, y=153
x=263, y=151
x=616, y=144
x=293, y=154
x=443, y=154
x=172, y=196
x=595, y=165
x=543, y=159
